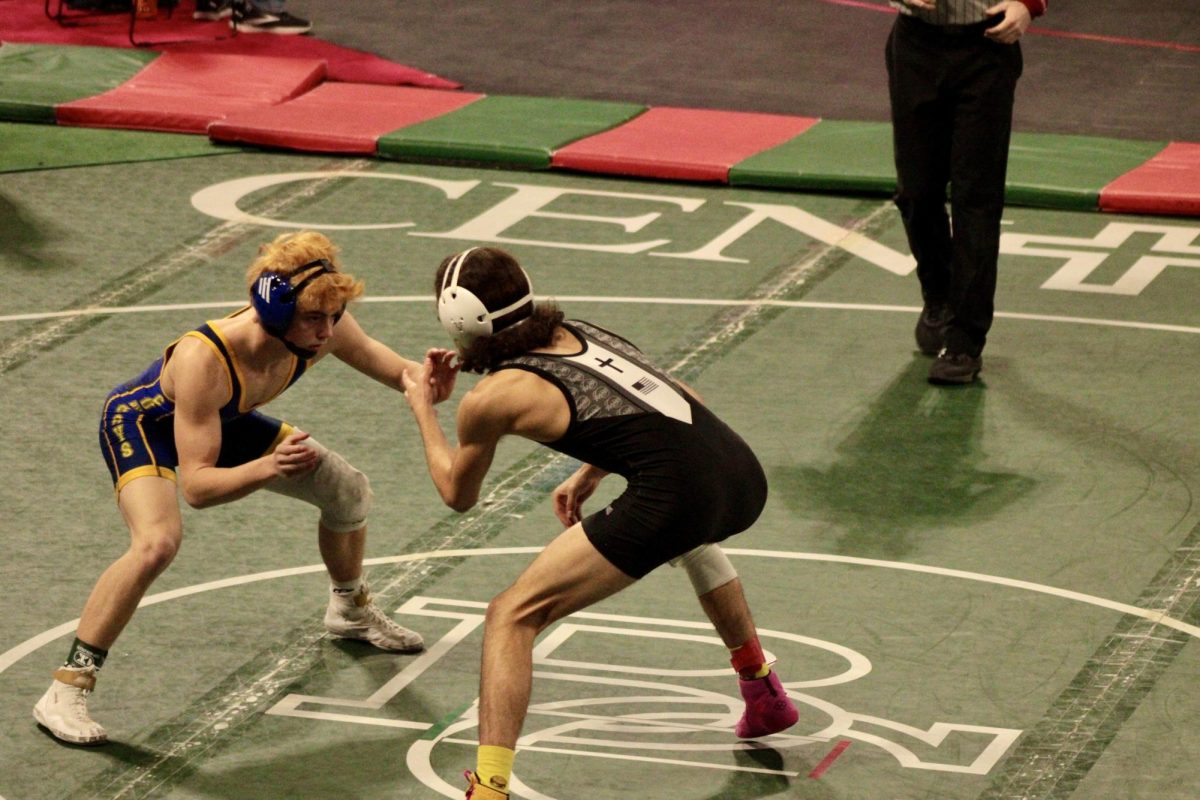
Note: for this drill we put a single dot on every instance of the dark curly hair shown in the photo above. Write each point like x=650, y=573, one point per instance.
x=496, y=278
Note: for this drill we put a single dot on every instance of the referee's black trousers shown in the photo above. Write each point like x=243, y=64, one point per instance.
x=952, y=98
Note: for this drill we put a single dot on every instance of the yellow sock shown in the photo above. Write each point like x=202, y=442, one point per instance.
x=494, y=766
x=763, y=671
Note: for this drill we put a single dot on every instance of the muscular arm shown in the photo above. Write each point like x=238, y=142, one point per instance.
x=201, y=388
x=458, y=470
x=373, y=358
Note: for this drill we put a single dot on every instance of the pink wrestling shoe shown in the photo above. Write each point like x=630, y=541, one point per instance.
x=768, y=708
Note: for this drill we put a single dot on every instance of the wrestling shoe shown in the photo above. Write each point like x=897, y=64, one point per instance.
x=248, y=18
x=212, y=10
x=768, y=708
x=63, y=708
x=357, y=617
x=480, y=791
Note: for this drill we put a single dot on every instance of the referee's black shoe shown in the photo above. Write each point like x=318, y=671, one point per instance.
x=931, y=330
x=950, y=369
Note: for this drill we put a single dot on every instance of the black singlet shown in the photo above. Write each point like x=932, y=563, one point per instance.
x=691, y=478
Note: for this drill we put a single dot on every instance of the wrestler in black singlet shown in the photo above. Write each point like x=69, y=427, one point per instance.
x=691, y=479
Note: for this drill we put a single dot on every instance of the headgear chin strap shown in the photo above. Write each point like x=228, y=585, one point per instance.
x=465, y=317
x=274, y=298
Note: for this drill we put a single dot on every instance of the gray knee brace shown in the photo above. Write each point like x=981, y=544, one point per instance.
x=341, y=492
x=707, y=566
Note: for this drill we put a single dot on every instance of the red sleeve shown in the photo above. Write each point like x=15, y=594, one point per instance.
x=1036, y=7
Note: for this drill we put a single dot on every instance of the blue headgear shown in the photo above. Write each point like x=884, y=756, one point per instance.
x=274, y=297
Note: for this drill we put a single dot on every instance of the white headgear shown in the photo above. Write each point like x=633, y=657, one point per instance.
x=464, y=315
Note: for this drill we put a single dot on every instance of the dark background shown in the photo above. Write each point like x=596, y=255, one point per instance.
x=819, y=58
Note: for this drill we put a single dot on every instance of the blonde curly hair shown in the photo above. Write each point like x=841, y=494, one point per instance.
x=289, y=253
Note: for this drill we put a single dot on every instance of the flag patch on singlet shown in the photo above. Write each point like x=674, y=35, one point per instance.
x=645, y=386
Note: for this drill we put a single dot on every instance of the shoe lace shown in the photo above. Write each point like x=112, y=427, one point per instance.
x=77, y=702
x=376, y=617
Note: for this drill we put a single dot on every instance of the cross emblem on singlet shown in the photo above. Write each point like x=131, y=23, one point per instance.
x=630, y=376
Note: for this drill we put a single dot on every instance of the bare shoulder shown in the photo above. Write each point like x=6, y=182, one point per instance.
x=195, y=354
x=196, y=373
x=520, y=402
x=503, y=388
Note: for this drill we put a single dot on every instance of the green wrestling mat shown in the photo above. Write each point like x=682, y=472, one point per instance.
x=32, y=147
x=972, y=594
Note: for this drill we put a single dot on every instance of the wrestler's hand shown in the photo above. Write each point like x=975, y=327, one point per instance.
x=1013, y=26
x=442, y=372
x=570, y=495
x=293, y=458
x=924, y=5
x=419, y=387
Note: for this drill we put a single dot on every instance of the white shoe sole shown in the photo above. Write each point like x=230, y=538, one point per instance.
x=365, y=636
x=362, y=633
x=275, y=31
x=88, y=741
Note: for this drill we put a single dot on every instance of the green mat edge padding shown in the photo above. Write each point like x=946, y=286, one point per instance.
x=1047, y=170
x=525, y=158
x=1051, y=197
x=421, y=140
x=809, y=161
x=1090, y=163
x=16, y=111
x=45, y=76
x=29, y=147
x=1086, y=164
x=812, y=181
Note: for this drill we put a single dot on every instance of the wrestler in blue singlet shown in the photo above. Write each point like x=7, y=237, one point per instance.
x=137, y=425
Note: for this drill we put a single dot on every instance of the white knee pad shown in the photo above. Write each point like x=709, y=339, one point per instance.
x=707, y=567
x=341, y=492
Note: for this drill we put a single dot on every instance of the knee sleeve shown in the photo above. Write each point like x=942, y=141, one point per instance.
x=707, y=567
x=342, y=492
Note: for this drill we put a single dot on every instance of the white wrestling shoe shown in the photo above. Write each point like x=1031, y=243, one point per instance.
x=357, y=617
x=63, y=708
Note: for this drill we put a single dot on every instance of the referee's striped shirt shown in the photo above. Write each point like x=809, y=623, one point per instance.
x=961, y=12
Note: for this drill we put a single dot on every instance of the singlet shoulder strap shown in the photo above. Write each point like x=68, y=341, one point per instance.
x=608, y=377
x=602, y=335
x=297, y=370
x=207, y=334
x=299, y=365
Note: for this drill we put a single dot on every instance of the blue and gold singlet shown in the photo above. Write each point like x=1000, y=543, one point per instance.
x=137, y=425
